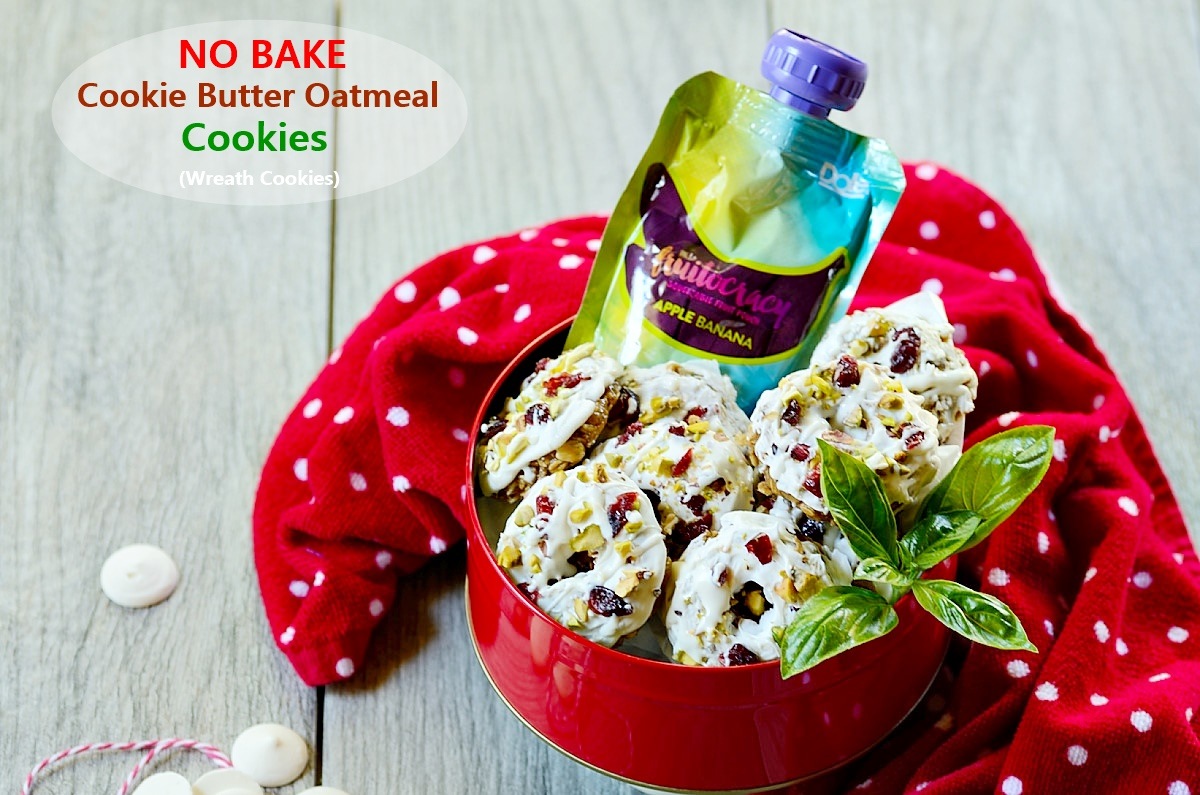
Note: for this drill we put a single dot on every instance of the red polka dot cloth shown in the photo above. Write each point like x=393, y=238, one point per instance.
x=366, y=482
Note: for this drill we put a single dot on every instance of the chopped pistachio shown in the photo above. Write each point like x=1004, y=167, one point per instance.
x=572, y=452
x=581, y=609
x=685, y=658
x=580, y=514
x=698, y=427
x=589, y=540
x=627, y=583
x=623, y=548
x=509, y=557
x=560, y=478
x=756, y=603
x=535, y=565
x=523, y=516
x=786, y=589
x=601, y=474
x=517, y=447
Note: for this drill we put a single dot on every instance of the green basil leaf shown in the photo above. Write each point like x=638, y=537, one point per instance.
x=994, y=477
x=978, y=616
x=858, y=503
x=879, y=570
x=836, y=619
x=936, y=537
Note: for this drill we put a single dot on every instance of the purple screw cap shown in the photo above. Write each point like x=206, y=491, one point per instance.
x=811, y=76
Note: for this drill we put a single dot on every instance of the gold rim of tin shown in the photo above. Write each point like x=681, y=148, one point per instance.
x=658, y=787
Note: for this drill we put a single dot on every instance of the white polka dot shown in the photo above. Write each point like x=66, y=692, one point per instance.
x=1159, y=677
x=1128, y=505
x=987, y=219
x=1089, y=574
x=300, y=469
x=466, y=336
x=559, y=241
x=928, y=230
x=1178, y=557
x=985, y=367
x=319, y=579
x=1097, y=402
x=448, y=297
x=865, y=784
x=1004, y=275
x=921, y=786
x=1043, y=542
x=960, y=333
x=344, y=415
x=1060, y=450
x=1077, y=755
x=926, y=171
x=501, y=288
x=911, y=250
x=457, y=377
x=1141, y=720
x=383, y=558
x=1142, y=579
x=462, y=493
x=1012, y=786
x=357, y=481
x=522, y=314
x=1187, y=714
x=1046, y=691
x=1031, y=357
x=998, y=577
x=1007, y=419
x=437, y=545
x=1050, y=515
x=287, y=636
x=1049, y=626
x=378, y=341
x=405, y=292
x=932, y=286
x=344, y=667
x=1101, y=630
x=375, y=608
x=1121, y=647
x=337, y=354
x=398, y=416
x=1177, y=634
x=1105, y=433
x=401, y=484
x=1098, y=700
x=312, y=408
x=593, y=244
x=527, y=234
x=299, y=588
x=460, y=435
x=570, y=262
x=482, y=254
x=1178, y=788
x=1017, y=669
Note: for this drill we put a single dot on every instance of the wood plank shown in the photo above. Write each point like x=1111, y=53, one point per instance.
x=151, y=348
x=1079, y=117
x=563, y=98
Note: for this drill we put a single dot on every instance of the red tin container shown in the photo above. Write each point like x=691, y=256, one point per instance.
x=672, y=727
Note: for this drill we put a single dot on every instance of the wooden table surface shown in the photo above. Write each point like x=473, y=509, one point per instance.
x=150, y=347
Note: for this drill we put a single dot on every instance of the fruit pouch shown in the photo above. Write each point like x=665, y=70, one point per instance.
x=747, y=225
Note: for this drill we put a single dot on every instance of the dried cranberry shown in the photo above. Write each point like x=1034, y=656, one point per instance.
x=655, y=500
x=697, y=413
x=541, y=364
x=529, y=592
x=791, y=414
x=491, y=428
x=625, y=408
x=723, y=577
x=682, y=464
x=618, y=512
x=544, y=504
x=801, y=452
x=685, y=532
x=740, y=655
x=582, y=561
x=695, y=503
x=914, y=441
x=719, y=485
x=677, y=430
x=760, y=547
x=811, y=529
x=605, y=602
x=630, y=432
x=908, y=349
x=812, y=483
x=846, y=373
x=537, y=414
x=562, y=381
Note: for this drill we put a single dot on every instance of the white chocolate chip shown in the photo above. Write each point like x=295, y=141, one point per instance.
x=271, y=754
x=226, y=782
x=164, y=784
x=139, y=575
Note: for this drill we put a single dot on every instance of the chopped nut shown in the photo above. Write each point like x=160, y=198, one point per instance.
x=786, y=589
x=572, y=452
x=756, y=603
x=580, y=514
x=523, y=516
x=516, y=448
x=627, y=583
x=589, y=540
x=535, y=565
x=891, y=402
x=810, y=586
x=624, y=549
x=601, y=474
x=698, y=427
x=509, y=556
x=560, y=478
x=685, y=658
x=581, y=610
x=633, y=524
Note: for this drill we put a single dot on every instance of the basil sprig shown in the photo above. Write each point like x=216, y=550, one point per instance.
x=981, y=491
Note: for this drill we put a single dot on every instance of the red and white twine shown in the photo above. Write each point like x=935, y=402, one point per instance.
x=152, y=748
